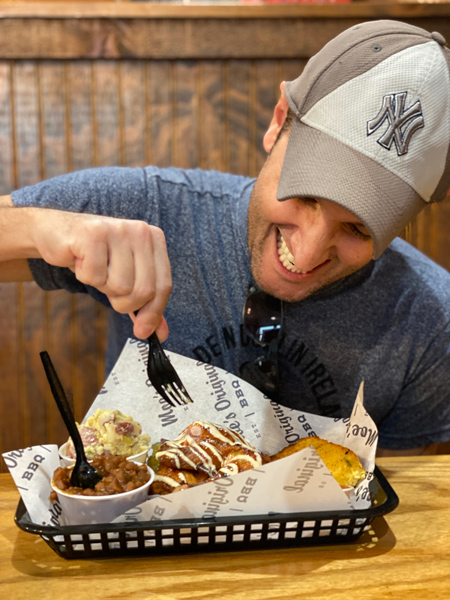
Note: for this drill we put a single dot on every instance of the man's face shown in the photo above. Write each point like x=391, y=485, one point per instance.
x=302, y=244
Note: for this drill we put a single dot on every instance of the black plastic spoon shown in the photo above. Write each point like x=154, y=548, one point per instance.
x=84, y=475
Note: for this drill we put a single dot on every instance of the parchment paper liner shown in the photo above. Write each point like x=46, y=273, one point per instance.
x=297, y=483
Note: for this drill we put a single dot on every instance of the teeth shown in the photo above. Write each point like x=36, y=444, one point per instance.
x=286, y=258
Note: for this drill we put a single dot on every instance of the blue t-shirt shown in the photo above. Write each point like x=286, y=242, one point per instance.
x=387, y=324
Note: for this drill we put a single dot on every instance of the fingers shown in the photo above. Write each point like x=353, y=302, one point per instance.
x=154, y=288
x=143, y=331
x=128, y=262
x=162, y=331
x=91, y=260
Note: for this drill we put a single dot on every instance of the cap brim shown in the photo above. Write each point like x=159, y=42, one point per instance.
x=317, y=165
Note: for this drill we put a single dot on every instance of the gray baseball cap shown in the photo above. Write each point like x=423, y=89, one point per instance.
x=372, y=126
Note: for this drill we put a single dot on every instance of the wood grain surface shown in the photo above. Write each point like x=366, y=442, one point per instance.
x=131, y=84
x=404, y=555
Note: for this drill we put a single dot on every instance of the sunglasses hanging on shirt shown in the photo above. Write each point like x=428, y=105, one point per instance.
x=263, y=322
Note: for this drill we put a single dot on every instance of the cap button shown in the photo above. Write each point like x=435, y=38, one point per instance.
x=439, y=38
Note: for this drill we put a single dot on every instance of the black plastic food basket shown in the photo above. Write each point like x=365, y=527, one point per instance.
x=224, y=533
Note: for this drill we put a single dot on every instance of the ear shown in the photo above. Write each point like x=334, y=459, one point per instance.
x=279, y=117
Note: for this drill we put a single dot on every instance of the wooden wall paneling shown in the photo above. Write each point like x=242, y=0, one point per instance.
x=106, y=107
x=81, y=142
x=186, y=124
x=133, y=104
x=75, y=337
x=161, y=113
x=441, y=219
x=290, y=69
x=33, y=385
x=266, y=94
x=11, y=369
x=53, y=118
x=253, y=121
x=7, y=134
x=58, y=342
x=148, y=30
x=238, y=118
x=169, y=38
x=31, y=305
x=11, y=366
x=433, y=237
x=213, y=134
x=422, y=232
x=429, y=232
x=88, y=339
x=55, y=342
x=27, y=123
x=184, y=35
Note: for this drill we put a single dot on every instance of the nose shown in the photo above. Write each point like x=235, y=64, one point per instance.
x=312, y=242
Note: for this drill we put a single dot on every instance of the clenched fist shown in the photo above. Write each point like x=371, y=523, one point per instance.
x=124, y=259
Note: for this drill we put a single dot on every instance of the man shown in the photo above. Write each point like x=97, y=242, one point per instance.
x=357, y=146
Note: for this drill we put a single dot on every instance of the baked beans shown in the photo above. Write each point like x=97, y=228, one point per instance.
x=118, y=475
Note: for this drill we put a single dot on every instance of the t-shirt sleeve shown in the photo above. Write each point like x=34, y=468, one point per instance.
x=421, y=415
x=109, y=191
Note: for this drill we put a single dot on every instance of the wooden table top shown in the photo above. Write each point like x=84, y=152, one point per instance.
x=407, y=555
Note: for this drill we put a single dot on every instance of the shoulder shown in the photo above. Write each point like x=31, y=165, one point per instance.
x=413, y=278
x=120, y=191
x=83, y=191
x=198, y=181
x=403, y=260
x=408, y=255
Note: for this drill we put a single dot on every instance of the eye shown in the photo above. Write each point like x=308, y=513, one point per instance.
x=307, y=200
x=359, y=231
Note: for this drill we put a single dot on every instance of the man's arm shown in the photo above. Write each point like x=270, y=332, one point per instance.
x=5, y=201
x=15, y=269
x=124, y=259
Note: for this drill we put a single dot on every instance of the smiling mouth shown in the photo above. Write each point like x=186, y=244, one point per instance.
x=286, y=258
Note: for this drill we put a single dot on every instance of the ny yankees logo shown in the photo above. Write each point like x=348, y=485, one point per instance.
x=402, y=124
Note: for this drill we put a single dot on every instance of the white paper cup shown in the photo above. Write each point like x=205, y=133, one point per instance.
x=84, y=510
x=69, y=462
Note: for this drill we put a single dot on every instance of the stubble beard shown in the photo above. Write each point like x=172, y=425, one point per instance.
x=297, y=291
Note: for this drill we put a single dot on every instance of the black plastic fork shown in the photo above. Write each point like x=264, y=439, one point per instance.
x=84, y=475
x=163, y=376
